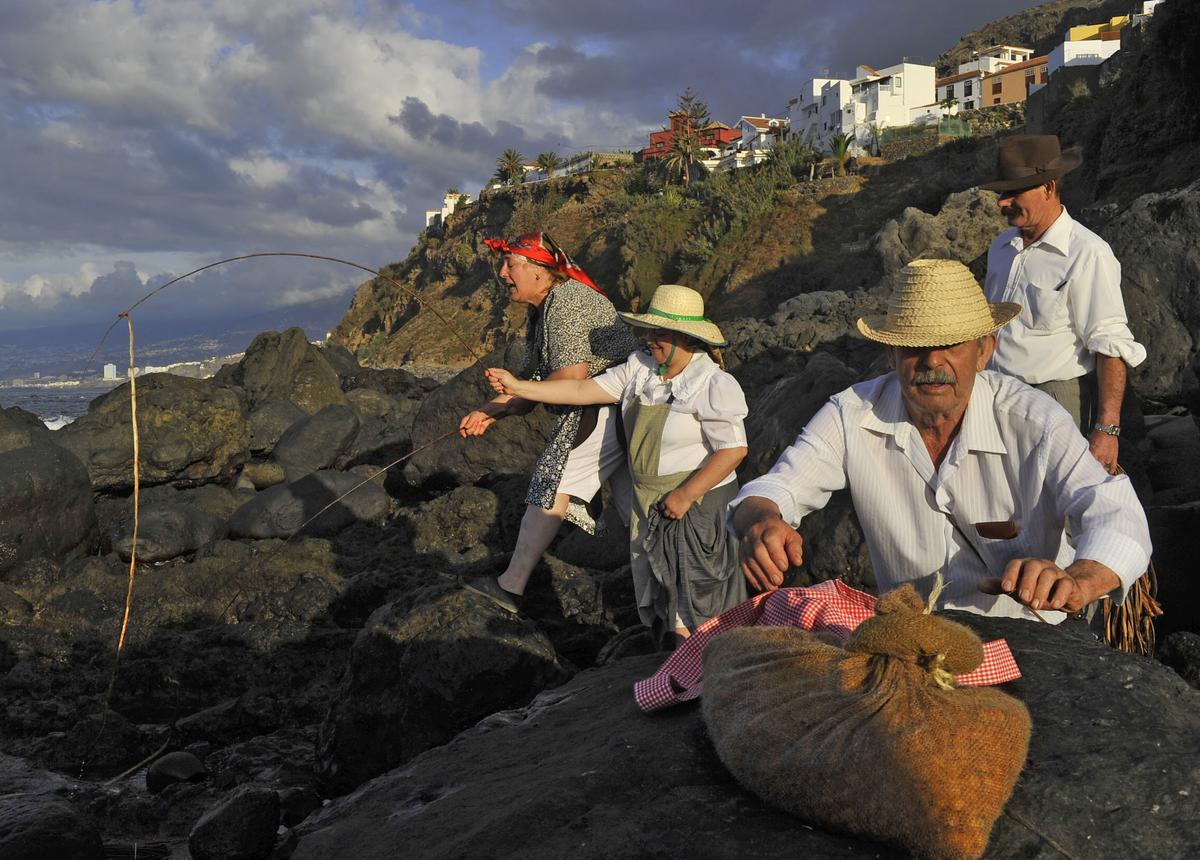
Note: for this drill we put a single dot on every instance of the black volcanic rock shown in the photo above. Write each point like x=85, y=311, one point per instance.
x=317, y=441
x=270, y=420
x=19, y=428
x=191, y=432
x=179, y=766
x=385, y=428
x=281, y=510
x=1112, y=770
x=284, y=366
x=510, y=446
x=780, y=412
x=41, y=826
x=240, y=827
x=1181, y=651
x=169, y=531
x=46, y=506
x=416, y=677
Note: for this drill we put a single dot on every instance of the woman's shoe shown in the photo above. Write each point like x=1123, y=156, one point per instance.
x=493, y=591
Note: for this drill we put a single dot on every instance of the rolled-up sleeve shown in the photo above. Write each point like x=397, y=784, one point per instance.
x=1107, y=520
x=1098, y=310
x=808, y=472
x=722, y=411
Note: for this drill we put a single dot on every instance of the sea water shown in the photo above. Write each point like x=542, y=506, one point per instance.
x=56, y=406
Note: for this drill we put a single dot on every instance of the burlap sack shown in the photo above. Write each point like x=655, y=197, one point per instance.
x=864, y=738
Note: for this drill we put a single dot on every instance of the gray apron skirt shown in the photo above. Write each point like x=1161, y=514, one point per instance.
x=688, y=567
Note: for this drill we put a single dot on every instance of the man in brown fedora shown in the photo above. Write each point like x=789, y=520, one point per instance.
x=953, y=469
x=1072, y=340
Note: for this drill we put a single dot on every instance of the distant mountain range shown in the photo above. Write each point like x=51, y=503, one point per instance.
x=63, y=350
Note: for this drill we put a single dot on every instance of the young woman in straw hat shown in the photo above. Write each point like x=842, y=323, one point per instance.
x=683, y=418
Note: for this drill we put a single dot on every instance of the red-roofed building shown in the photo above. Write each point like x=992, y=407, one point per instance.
x=714, y=136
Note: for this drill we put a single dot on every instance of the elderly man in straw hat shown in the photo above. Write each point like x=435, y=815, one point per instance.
x=1072, y=338
x=952, y=468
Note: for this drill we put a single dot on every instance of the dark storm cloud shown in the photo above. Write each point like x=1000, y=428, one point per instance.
x=421, y=123
x=152, y=190
x=740, y=58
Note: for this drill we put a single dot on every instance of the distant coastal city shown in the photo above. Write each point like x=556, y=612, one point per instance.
x=58, y=399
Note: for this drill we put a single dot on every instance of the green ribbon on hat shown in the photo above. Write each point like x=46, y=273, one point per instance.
x=679, y=317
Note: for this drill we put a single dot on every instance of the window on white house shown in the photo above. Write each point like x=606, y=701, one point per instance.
x=967, y=88
x=897, y=83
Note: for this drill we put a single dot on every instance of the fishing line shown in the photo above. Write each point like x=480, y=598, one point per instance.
x=127, y=315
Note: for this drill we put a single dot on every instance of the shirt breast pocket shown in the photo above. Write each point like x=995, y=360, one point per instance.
x=1047, y=307
x=998, y=552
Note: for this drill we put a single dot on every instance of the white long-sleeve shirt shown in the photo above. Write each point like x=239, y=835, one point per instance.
x=1018, y=458
x=1068, y=284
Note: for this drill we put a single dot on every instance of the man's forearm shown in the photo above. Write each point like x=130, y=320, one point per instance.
x=1110, y=382
x=753, y=510
x=1093, y=578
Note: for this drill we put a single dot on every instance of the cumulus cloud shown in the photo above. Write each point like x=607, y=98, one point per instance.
x=196, y=129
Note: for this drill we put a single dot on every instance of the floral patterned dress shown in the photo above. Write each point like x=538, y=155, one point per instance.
x=575, y=324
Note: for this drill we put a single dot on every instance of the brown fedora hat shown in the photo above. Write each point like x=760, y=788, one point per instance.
x=1029, y=160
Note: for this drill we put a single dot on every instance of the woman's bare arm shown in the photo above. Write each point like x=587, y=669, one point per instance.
x=565, y=392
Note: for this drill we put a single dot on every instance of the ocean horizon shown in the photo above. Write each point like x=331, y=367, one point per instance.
x=56, y=406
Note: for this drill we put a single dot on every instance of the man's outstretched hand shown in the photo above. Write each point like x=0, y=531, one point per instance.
x=768, y=546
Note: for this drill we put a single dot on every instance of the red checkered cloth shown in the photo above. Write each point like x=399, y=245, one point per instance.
x=830, y=607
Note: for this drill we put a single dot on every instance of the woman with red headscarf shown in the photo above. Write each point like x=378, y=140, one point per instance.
x=573, y=333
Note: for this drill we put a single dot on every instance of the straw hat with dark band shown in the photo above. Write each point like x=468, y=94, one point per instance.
x=938, y=303
x=681, y=309
x=1026, y=161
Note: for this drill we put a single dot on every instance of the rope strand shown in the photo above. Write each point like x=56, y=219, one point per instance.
x=411, y=293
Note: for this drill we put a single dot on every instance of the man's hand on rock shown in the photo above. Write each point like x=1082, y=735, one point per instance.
x=1041, y=584
x=1104, y=449
x=767, y=550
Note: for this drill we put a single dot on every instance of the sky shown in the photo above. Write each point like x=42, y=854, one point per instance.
x=142, y=138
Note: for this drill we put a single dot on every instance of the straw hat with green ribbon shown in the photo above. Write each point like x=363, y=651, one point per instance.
x=680, y=309
x=937, y=303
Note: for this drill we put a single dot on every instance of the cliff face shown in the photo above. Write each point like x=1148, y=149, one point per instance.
x=747, y=241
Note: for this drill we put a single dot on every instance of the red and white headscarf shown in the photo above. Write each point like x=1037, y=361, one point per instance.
x=542, y=249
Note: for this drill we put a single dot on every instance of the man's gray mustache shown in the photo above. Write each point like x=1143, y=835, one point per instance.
x=933, y=377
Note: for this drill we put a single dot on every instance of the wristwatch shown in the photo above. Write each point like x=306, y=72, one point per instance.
x=1110, y=429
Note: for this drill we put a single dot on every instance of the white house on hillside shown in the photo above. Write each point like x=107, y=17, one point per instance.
x=885, y=98
x=759, y=135
x=879, y=98
x=816, y=114
x=437, y=217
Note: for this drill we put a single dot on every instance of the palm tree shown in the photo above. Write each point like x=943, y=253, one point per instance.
x=549, y=162
x=839, y=150
x=510, y=166
x=685, y=151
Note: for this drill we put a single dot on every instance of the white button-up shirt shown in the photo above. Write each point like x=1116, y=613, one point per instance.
x=707, y=412
x=1068, y=284
x=1018, y=459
